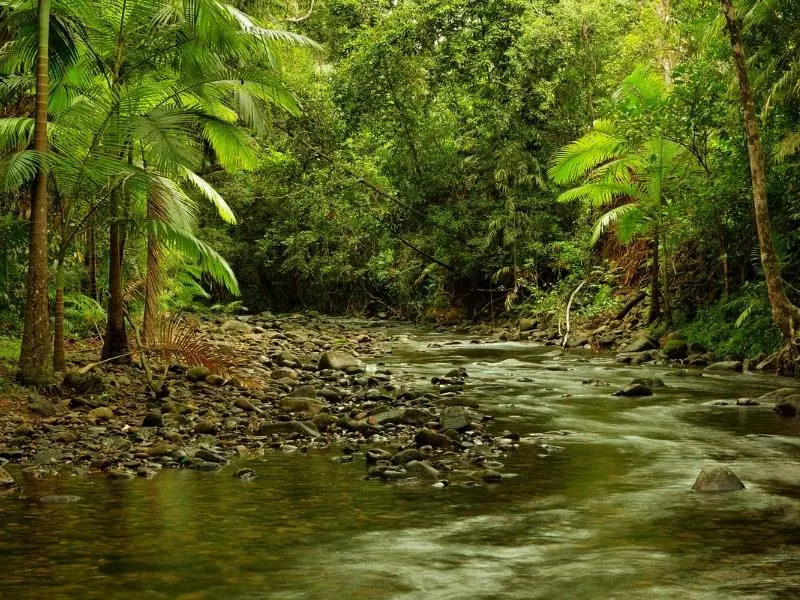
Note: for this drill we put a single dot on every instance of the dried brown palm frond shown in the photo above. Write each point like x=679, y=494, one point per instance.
x=173, y=339
x=133, y=290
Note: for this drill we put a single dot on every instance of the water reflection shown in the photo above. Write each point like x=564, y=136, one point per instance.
x=612, y=517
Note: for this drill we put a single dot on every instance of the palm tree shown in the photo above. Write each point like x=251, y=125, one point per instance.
x=35, y=367
x=635, y=177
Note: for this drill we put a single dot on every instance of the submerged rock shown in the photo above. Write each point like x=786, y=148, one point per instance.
x=789, y=406
x=717, y=479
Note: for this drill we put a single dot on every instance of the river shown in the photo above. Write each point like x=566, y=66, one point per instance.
x=612, y=516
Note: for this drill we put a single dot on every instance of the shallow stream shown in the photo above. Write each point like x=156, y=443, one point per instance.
x=612, y=516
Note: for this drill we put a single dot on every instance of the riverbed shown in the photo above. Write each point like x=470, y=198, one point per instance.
x=612, y=515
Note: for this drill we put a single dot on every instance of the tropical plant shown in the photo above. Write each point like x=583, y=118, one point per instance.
x=637, y=176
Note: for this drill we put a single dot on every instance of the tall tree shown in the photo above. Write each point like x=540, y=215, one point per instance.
x=785, y=314
x=35, y=361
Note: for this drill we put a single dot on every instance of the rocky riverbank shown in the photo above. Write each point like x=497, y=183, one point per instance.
x=301, y=383
x=295, y=384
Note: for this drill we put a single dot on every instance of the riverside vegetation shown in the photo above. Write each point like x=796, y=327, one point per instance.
x=606, y=173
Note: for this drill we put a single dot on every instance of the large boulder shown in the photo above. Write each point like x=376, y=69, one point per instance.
x=725, y=365
x=640, y=344
x=676, y=349
x=422, y=471
x=779, y=394
x=338, y=361
x=788, y=406
x=717, y=479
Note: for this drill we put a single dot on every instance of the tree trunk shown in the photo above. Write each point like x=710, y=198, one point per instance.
x=59, y=355
x=115, y=343
x=784, y=313
x=90, y=259
x=655, y=284
x=153, y=284
x=35, y=361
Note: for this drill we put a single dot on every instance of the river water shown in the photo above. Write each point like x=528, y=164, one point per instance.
x=611, y=517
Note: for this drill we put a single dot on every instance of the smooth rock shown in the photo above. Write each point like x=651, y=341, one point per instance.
x=198, y=373
x=788, y=406
x=101, y=413
x=457, y=418
x=235, y=326
x=428, y=437
x=717, y=479
x=338, y=361
x=422, y=471
x=725, y=365
x=40, y=405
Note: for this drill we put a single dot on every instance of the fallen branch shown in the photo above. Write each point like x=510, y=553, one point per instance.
x=569, y=306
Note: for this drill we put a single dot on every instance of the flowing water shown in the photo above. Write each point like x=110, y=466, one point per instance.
x=613, y=516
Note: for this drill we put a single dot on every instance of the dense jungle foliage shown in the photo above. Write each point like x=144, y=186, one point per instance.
x=442, y=159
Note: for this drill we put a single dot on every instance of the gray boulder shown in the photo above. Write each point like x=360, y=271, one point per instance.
x=717, y=479
x=338, y=361
x=457, y=418
x=725, y=365
x=641, y=343
x=235, y=326
x=422, y=471
x=788, y=406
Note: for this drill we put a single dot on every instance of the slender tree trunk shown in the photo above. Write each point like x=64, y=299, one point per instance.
x=115, y=343
x=153, y=284
x=35, y=361
x=90, y=259
x=666, y=291
x=655, y=283
x=59, y=354
x=784, y=313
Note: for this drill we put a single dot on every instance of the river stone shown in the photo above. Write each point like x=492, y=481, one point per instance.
x=160, y=449
x=215, y=380
x=374, y=455
x=309, y=405
x=422, y=471
x=101, y=413
x=153, y=419
x=40, y=405
x=66, y=436
x=491, y=476
x=788, y=406
x=286, y=359
x=725, y=365
x=457, y=373
x=6, y=481
x=457, y=418
x=245, y=404
x=641, y=343
x=284, y=373
x=306, y=428
x=676, y=349
x=244, y=474
x=779, y=394
x=206, y=426
x=338, y=361
x=235, y=326
x=24, y=430
x=208, y=456
x=198, y=373
x=304, y=391
x=405, y=456
x=651, y=382
x=637, y=389
x=48, y=457
x=717, y=479
x=428, y=437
